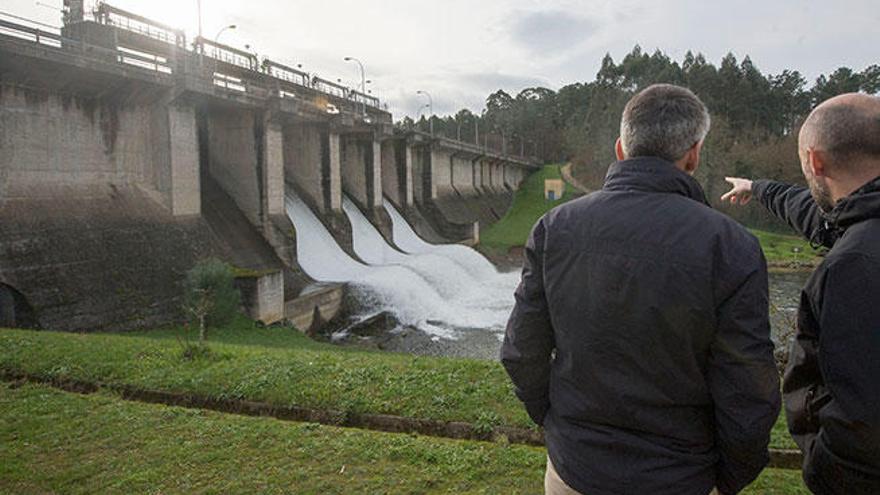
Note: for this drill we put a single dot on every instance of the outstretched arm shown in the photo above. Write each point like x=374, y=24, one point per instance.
x=792, y=204
x=528, y=342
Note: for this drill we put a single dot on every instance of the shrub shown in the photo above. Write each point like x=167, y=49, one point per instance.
x=211, y=298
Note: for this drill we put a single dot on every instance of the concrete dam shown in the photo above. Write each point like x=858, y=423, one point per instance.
x=128, y=153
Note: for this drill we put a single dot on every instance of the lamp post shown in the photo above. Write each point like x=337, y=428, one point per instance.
x=431, y=107
x=200, y=45
x=363, y=79
x=217, y=38
x=199, y=7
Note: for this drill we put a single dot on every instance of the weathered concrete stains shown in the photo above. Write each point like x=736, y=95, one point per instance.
x=109, y=123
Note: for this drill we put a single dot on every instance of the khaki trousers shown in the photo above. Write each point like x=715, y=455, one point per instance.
x=553, y=484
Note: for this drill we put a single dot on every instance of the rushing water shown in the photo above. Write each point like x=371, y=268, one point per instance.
x=443, y=291
x=448, y=299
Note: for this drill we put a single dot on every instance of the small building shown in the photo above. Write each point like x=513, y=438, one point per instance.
x=553, y=189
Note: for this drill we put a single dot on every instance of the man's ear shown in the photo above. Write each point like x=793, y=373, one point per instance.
x=816, y=161
x=618, y=149
x=691, y=159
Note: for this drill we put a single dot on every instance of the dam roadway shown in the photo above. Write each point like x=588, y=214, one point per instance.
x=127, y=153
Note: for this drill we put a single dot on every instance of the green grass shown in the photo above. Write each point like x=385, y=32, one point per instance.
x=57, y=442
x=785, y=248
x=277, y=365
x=528, y=206
x=280, y=366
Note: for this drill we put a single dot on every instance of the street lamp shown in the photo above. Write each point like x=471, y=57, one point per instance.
x=431, y=106
x=199, y=7
x=363, y=79
x=217, y=38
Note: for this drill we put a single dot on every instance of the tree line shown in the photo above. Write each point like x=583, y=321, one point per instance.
x=755, y=116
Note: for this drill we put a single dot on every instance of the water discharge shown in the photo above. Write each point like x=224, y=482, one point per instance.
x=442, y=290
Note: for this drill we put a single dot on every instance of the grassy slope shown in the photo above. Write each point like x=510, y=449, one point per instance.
x=277, y=365
x=529, y=205
x=51, y=441
x=281, y=366
x=781, y=248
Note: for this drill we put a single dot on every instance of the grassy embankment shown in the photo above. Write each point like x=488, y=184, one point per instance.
x=281, y=367
x=58, y=442
x=529, y=205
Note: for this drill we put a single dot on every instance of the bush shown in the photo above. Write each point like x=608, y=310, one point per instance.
x=211, y=298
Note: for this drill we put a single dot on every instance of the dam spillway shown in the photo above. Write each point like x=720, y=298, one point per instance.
x=128, y=156
x=442, y=290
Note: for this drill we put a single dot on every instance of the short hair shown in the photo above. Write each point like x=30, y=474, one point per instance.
x=847, y=132
x=663, y=120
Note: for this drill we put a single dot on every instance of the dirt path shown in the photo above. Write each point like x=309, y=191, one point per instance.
x=568, y=177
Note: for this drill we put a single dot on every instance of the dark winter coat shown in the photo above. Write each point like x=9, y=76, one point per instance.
x=640, y=339
x=832, y=383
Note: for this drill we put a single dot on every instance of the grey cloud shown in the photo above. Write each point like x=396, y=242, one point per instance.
x=551, y=31
x=491, y=81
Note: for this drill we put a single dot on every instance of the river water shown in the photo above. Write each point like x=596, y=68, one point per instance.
x=434, y=299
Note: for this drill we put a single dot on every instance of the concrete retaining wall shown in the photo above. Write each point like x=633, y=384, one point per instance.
x=498, y=177
x=109, y=258
x=303, y=162
x=314, y=307
x=361, y=167
x=463, y=175
x=54, y=140
x=273, y=166
x=263, y=297
x=421, y=174
x=441, y=172
x=232, y=159
x=355, y=154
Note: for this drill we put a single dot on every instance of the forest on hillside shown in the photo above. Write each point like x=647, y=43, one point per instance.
x=755, y=117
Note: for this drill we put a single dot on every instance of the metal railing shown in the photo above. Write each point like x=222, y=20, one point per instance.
x=285, y=73
x=128, y=21
x=141, y=57
x=43, y=35
x=481, y=149
x=122, y=55
x=227, y=54
x=330, y=88
x=368, y=100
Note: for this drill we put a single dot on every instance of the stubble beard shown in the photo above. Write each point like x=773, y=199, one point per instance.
x=821, y=195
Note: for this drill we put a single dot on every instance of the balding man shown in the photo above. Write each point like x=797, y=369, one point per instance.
x=832, y=384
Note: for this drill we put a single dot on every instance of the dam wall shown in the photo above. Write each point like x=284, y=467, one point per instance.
x=125, y=158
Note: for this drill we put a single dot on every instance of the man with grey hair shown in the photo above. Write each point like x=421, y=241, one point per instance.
x=832, y=383
x=640, y=337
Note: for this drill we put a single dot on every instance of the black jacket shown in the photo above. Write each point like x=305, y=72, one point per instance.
x=663, y=379
x=832, y=384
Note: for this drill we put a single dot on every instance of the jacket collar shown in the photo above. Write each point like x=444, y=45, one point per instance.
x=651, y=174
x=862, y=204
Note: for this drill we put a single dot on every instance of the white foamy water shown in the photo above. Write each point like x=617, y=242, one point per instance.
x=440, y=289
x=407, y=239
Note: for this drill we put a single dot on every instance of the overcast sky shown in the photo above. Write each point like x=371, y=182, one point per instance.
x=462, y=50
